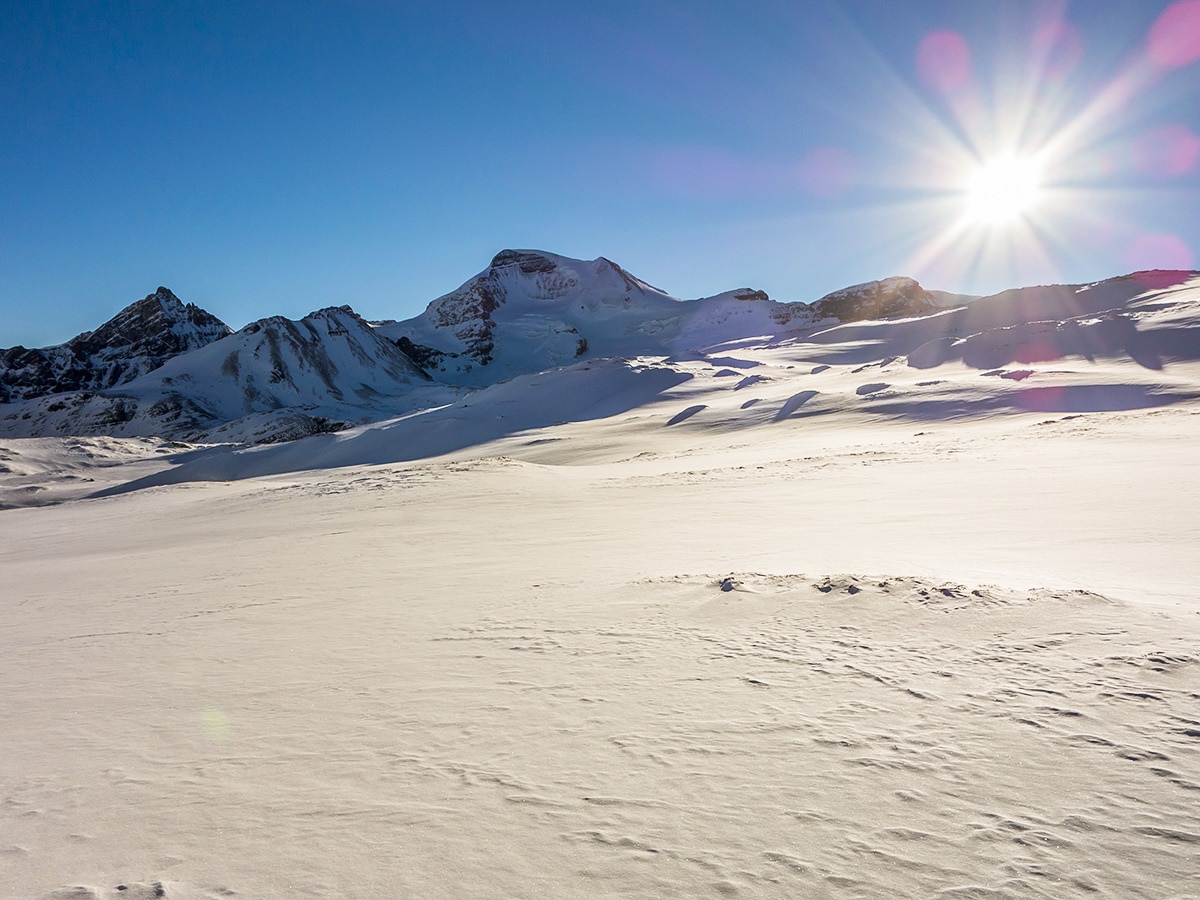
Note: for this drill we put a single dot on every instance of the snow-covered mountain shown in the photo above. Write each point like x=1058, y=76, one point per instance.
x=531, y=310
x=162, y=368
x=275, y=379
x=137, y=340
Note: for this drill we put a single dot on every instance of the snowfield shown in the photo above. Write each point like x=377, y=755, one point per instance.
x=895, y=608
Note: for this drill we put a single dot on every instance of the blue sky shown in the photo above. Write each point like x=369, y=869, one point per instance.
x=274, y=158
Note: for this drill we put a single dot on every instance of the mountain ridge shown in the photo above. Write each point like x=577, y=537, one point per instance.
x=164, y=368
x=136, y=341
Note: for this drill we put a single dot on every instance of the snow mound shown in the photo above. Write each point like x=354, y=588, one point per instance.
x=583, y=392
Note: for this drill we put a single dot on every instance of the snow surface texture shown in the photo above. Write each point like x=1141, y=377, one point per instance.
x=791, y=617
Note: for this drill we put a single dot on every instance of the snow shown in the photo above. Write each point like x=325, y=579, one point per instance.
x=272, y=379
x=545, y=310
x=785, y=617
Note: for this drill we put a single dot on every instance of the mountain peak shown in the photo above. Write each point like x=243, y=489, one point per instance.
x=160, y=325
x=530, y=262
x=888, y=298
x=138, y=339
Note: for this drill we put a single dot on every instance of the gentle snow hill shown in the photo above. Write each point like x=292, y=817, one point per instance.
x=137, y=340
x=583, y=392
x=531, y=310
x=275, y=379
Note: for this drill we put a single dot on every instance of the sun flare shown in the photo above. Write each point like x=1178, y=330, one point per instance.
x=1002, y=190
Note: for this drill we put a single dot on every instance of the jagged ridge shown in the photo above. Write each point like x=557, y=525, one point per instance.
x=137, y=340
x=160, y=367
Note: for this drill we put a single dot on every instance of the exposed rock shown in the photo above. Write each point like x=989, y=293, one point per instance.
x=276, y=379
x=137, y=340
x=750, y=294
x=528, y=261
x=891, y=298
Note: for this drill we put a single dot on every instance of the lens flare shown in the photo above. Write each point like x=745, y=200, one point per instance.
x=1174, y=40
x=1159, y=251
x=944, y=61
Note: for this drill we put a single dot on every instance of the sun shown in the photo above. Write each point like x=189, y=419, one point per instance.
x=1002, y=190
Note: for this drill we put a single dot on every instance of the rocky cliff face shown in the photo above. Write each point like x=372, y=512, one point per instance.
x=138, y=340
x=891, y=298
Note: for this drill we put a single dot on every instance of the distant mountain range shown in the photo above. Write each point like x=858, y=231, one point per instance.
x=167, y=368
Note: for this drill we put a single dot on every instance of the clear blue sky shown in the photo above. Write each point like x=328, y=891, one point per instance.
x=272, y=158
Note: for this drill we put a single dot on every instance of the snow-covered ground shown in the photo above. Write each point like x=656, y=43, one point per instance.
x=786, y=619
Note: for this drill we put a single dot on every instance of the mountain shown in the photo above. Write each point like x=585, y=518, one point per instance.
x=138, y=340
x=531, y=310
x=276, y=379
x=163, y=368
x=1114, y=346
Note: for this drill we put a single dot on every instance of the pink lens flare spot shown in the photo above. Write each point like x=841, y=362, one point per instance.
x=1058, y=48
x=1174, y=38
x=944, y=61
x=1158, y=279
x=1159, y=251
x=1168, y=152
x=1032, y=353
x=827, y=171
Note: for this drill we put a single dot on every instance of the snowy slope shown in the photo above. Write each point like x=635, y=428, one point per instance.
x=1147, y=316
x=275, y=379
x=788, y=617
x=137, y=340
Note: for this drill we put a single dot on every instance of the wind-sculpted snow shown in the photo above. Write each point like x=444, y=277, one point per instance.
x=581, y=393
x=834, y=656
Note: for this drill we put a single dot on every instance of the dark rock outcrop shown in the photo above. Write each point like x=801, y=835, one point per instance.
x=891, y=298
x=137, y=340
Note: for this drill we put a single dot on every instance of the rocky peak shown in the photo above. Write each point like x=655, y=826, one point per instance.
x=889, y=298
x=159, y=326
x=137, y=340
x=750, y=294
x=528, y=262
